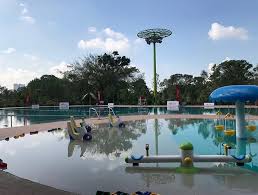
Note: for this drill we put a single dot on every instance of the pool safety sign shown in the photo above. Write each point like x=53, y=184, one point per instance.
x=110, y=105
x=208, y=105
x=64, y=105
x=173, y=105
x=35, y=106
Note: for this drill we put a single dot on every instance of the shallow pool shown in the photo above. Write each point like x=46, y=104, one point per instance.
x=51, y=158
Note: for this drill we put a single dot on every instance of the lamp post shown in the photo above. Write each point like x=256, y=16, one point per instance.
x=154, y=36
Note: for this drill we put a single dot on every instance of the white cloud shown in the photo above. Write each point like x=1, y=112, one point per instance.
x=26, y=67
x=139, y=41
x=24, y=11
x=93, y=43
x=110, y=33
x=58, y=69
x=31, y=57
x=226, y=59
x=12, y=75
x=9, y=50
x=108, y=40
x=218, y=32
x=210, y=65
x=92, y=29
x=28, y=19
x=24, y=15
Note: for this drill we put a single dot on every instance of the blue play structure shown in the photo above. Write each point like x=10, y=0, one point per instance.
x=234, y=93
x=238, y=94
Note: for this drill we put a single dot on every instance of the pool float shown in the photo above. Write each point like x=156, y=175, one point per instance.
x=229, y=132
x=76, y=128
x=74, y=135
x=87, y=136
x=219, y=127
x=251, y=127
x=121, y=125
x=119, y=122
x=83, y=128
x=87, y=128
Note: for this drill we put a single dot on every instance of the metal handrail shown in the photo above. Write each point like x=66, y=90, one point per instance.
x=95, y=112
x=111, y=110
x=38, y=115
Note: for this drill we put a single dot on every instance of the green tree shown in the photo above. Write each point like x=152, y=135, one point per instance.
x=108, y=73
x=232, y=72
x=47, y=90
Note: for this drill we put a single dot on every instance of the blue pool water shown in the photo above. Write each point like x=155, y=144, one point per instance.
x=25, y=116
x=51, y=158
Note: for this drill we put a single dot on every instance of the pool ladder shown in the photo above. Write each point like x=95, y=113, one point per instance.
x=95, y=111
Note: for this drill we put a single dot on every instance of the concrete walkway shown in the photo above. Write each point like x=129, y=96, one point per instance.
x=11, y=184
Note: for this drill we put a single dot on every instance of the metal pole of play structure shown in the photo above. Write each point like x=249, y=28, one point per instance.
x=156, y=137
x=155, y=74
x=240, y=120
x=241, y=147
x=154, y=36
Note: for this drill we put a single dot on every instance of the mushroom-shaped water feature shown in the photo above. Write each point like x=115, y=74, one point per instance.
x=238, y=94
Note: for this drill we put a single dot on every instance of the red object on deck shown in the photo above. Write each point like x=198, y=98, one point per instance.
x=3, y=165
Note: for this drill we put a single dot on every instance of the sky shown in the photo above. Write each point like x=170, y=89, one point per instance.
x=43, y=36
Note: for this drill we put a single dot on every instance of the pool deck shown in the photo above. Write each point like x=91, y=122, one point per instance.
x=15, y=131
x=11, y=184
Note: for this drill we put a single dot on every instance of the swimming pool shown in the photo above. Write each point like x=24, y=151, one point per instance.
x=51, y=158
x=26, y=116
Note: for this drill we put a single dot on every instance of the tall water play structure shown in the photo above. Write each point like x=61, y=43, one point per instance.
x=238, y=94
